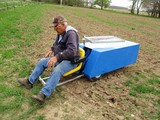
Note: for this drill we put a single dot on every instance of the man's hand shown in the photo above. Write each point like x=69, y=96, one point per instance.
x=49, y=53
x=52, y=62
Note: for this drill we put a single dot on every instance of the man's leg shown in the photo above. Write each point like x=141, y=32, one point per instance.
x=38, y=70
x=51, y=83
x=41, y=66
x=58, y=71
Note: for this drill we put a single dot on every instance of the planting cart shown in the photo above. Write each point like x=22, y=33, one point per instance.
x=100, y=55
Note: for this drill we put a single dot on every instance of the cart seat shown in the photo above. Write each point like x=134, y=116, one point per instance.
x=80, y=61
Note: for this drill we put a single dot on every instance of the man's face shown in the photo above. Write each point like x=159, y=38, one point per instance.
x=59, y=28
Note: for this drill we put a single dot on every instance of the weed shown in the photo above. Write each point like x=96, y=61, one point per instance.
x=151, y=116
x=59, y=90
x=158, y=101
x=112, y=23
x=128, y=83
x=133, y=93
x=133, y=77
x=37, y=29
x=157, y=92
x=154, y=80
x=23, y=67
x=143, y=89
x=158, y=114
x=40, y=117
x=12, y=98
x=14, y=33
x=59, y=94
x=140, y=74
x=9, y=53
x=32, y=109
x=3, y=78
x=37, y=87
x=3, y=42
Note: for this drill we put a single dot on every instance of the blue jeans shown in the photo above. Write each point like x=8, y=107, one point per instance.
x=58, y=71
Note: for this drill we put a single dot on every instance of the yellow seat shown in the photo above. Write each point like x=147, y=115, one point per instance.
x=82, y=54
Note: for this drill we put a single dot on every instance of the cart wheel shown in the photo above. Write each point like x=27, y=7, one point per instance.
x=95, y=78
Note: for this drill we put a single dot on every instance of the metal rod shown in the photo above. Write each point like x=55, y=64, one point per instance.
x=70, y=80
x=42, y=81
x=61, y=83
x=45, y=78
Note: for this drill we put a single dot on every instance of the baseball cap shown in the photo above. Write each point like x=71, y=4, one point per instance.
x=59, y=19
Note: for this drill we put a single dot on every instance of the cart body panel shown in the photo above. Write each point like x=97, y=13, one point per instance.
x=107, y=57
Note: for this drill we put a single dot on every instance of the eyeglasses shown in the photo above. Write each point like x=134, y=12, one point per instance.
x=56, y=26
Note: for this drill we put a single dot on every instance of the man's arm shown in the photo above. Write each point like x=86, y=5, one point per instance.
x=52, y=62
x=49, y=53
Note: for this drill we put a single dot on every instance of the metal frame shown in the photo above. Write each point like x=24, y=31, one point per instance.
x=42, y=80
x=102, y=39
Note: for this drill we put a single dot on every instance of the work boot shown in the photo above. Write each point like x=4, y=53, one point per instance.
x=40, y=97
x=25, y=82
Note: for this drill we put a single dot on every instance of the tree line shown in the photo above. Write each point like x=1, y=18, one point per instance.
x=80, y=3
x=152, y=7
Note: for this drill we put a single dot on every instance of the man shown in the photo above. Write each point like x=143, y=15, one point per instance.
x=65, y=50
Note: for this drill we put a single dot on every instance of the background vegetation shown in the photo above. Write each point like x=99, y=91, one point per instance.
x=152, y=7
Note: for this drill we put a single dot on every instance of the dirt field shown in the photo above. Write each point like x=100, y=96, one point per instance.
x=114, y=96
x=107, y=98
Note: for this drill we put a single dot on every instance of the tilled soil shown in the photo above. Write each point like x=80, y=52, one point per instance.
x=107, y=98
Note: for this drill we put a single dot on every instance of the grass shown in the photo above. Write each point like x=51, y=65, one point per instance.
x=140, y=88
x=149, y=86
x=133, y=93
x=40, y=117
x=17, y=30
x=20, y=31
x=154, y=80
x=8, y=4
x=13, y=98
x=109, y=22
x=146, y=89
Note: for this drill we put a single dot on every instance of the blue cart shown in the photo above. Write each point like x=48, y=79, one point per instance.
x=103, y=54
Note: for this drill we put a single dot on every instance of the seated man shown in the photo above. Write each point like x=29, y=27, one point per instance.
x=65, y=50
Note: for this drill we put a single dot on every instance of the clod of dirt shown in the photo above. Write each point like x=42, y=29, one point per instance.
x=120, y=117
x=56, y=114
x=105, y=114
x=78, y=91
x=136, y=102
